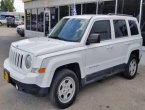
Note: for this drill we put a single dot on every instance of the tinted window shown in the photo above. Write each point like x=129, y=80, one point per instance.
x=33, y=19
x=28, y=18
x=133, y=28
x=102, y=28
x=63, y=11
x=120, y=28
x=40, y=20
x=89, y=8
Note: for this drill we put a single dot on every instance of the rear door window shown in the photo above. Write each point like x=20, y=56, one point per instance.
x=120, y=28
x=133, y=27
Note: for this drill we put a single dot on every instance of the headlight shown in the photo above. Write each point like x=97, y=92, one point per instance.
x=28, y=61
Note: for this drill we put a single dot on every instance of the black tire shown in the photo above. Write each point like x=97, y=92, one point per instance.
x=54, y=91
x=127, y=74
x=1, y=24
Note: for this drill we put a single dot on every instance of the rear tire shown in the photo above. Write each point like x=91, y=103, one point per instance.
x=131, y=68
x=64, y=88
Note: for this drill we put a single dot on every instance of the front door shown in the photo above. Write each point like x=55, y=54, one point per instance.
x=47, y=22
x=99, y=55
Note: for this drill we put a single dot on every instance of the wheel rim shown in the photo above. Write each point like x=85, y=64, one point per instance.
x=66, y=90
x=133, y=67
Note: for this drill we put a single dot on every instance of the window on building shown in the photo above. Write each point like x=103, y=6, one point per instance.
x=40, y=20
x=120, y=6
x=133, y=28
x=47, y=21
x=120, y=28
x=63, y=11
x=78, y=9
x=130, y=7
x=143, y=17
x=54, y=16
x=143, y=22
x=105, y=7
x=103, y=28
x=89, y=8
x=34, y=20
x=28, y=19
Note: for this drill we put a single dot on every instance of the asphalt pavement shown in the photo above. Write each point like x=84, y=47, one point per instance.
x=114, y=93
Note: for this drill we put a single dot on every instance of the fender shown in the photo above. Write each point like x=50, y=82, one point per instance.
x=131, y=49
x=59, y=61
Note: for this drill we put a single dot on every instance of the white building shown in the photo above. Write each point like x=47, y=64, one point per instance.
x=42, y=15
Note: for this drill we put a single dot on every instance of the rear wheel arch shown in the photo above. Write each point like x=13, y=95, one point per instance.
x=136, y=53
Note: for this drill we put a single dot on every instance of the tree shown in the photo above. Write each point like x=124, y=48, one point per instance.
x=2, y=5
x=7, y=5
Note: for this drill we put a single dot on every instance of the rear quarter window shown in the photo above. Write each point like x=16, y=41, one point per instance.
x=133, y=27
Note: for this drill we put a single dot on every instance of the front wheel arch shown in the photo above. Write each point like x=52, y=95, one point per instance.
x=53, y=95
x=75, y=67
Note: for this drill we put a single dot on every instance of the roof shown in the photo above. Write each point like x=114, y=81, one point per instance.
x=102, y=16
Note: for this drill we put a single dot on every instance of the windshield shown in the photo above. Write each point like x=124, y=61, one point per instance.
x=69, y=29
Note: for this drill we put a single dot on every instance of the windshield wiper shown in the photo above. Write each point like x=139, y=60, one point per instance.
x=56, y=37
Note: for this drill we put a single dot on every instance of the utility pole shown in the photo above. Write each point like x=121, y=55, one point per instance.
x=116, y=6
x=140, y=14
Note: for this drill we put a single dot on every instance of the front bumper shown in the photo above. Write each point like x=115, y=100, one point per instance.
x=29, y=83
x=29, y=88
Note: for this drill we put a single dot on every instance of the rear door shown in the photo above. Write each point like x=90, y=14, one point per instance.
x=120, y=44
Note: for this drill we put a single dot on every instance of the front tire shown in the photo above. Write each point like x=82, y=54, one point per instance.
x=131, y=68
x=64, y=88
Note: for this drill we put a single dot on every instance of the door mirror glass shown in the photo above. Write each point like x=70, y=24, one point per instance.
x=93, y=38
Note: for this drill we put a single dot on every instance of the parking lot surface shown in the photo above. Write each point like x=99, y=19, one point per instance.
x=114, y=93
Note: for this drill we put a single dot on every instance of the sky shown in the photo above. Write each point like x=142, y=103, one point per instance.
x=19, y=5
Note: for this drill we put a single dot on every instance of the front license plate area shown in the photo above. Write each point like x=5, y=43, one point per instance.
x=6, y=75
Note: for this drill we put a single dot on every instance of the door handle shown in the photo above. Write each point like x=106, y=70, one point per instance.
x=109, y=47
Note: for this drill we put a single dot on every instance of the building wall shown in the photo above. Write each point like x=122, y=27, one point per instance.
x=50, y=3
x=130, y=7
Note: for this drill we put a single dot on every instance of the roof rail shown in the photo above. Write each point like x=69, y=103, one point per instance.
x=120, y=14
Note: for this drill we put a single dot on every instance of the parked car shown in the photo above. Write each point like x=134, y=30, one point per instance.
x=13, y=22
x=18, y=21
x=80, y=50
x=2, y=20
x=21, y=30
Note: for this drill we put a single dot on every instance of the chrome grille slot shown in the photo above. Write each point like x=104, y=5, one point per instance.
x=16, y=58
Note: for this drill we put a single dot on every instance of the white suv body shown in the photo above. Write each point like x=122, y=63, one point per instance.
x=33, y=64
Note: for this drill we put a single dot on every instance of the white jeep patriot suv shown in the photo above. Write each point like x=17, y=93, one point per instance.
x=79, y=50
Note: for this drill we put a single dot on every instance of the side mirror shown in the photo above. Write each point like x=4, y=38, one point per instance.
x=93, y=38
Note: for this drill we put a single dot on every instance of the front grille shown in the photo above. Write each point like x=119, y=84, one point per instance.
x=16, y=58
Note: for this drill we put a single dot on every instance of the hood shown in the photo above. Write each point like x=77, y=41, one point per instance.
x=42, y=45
